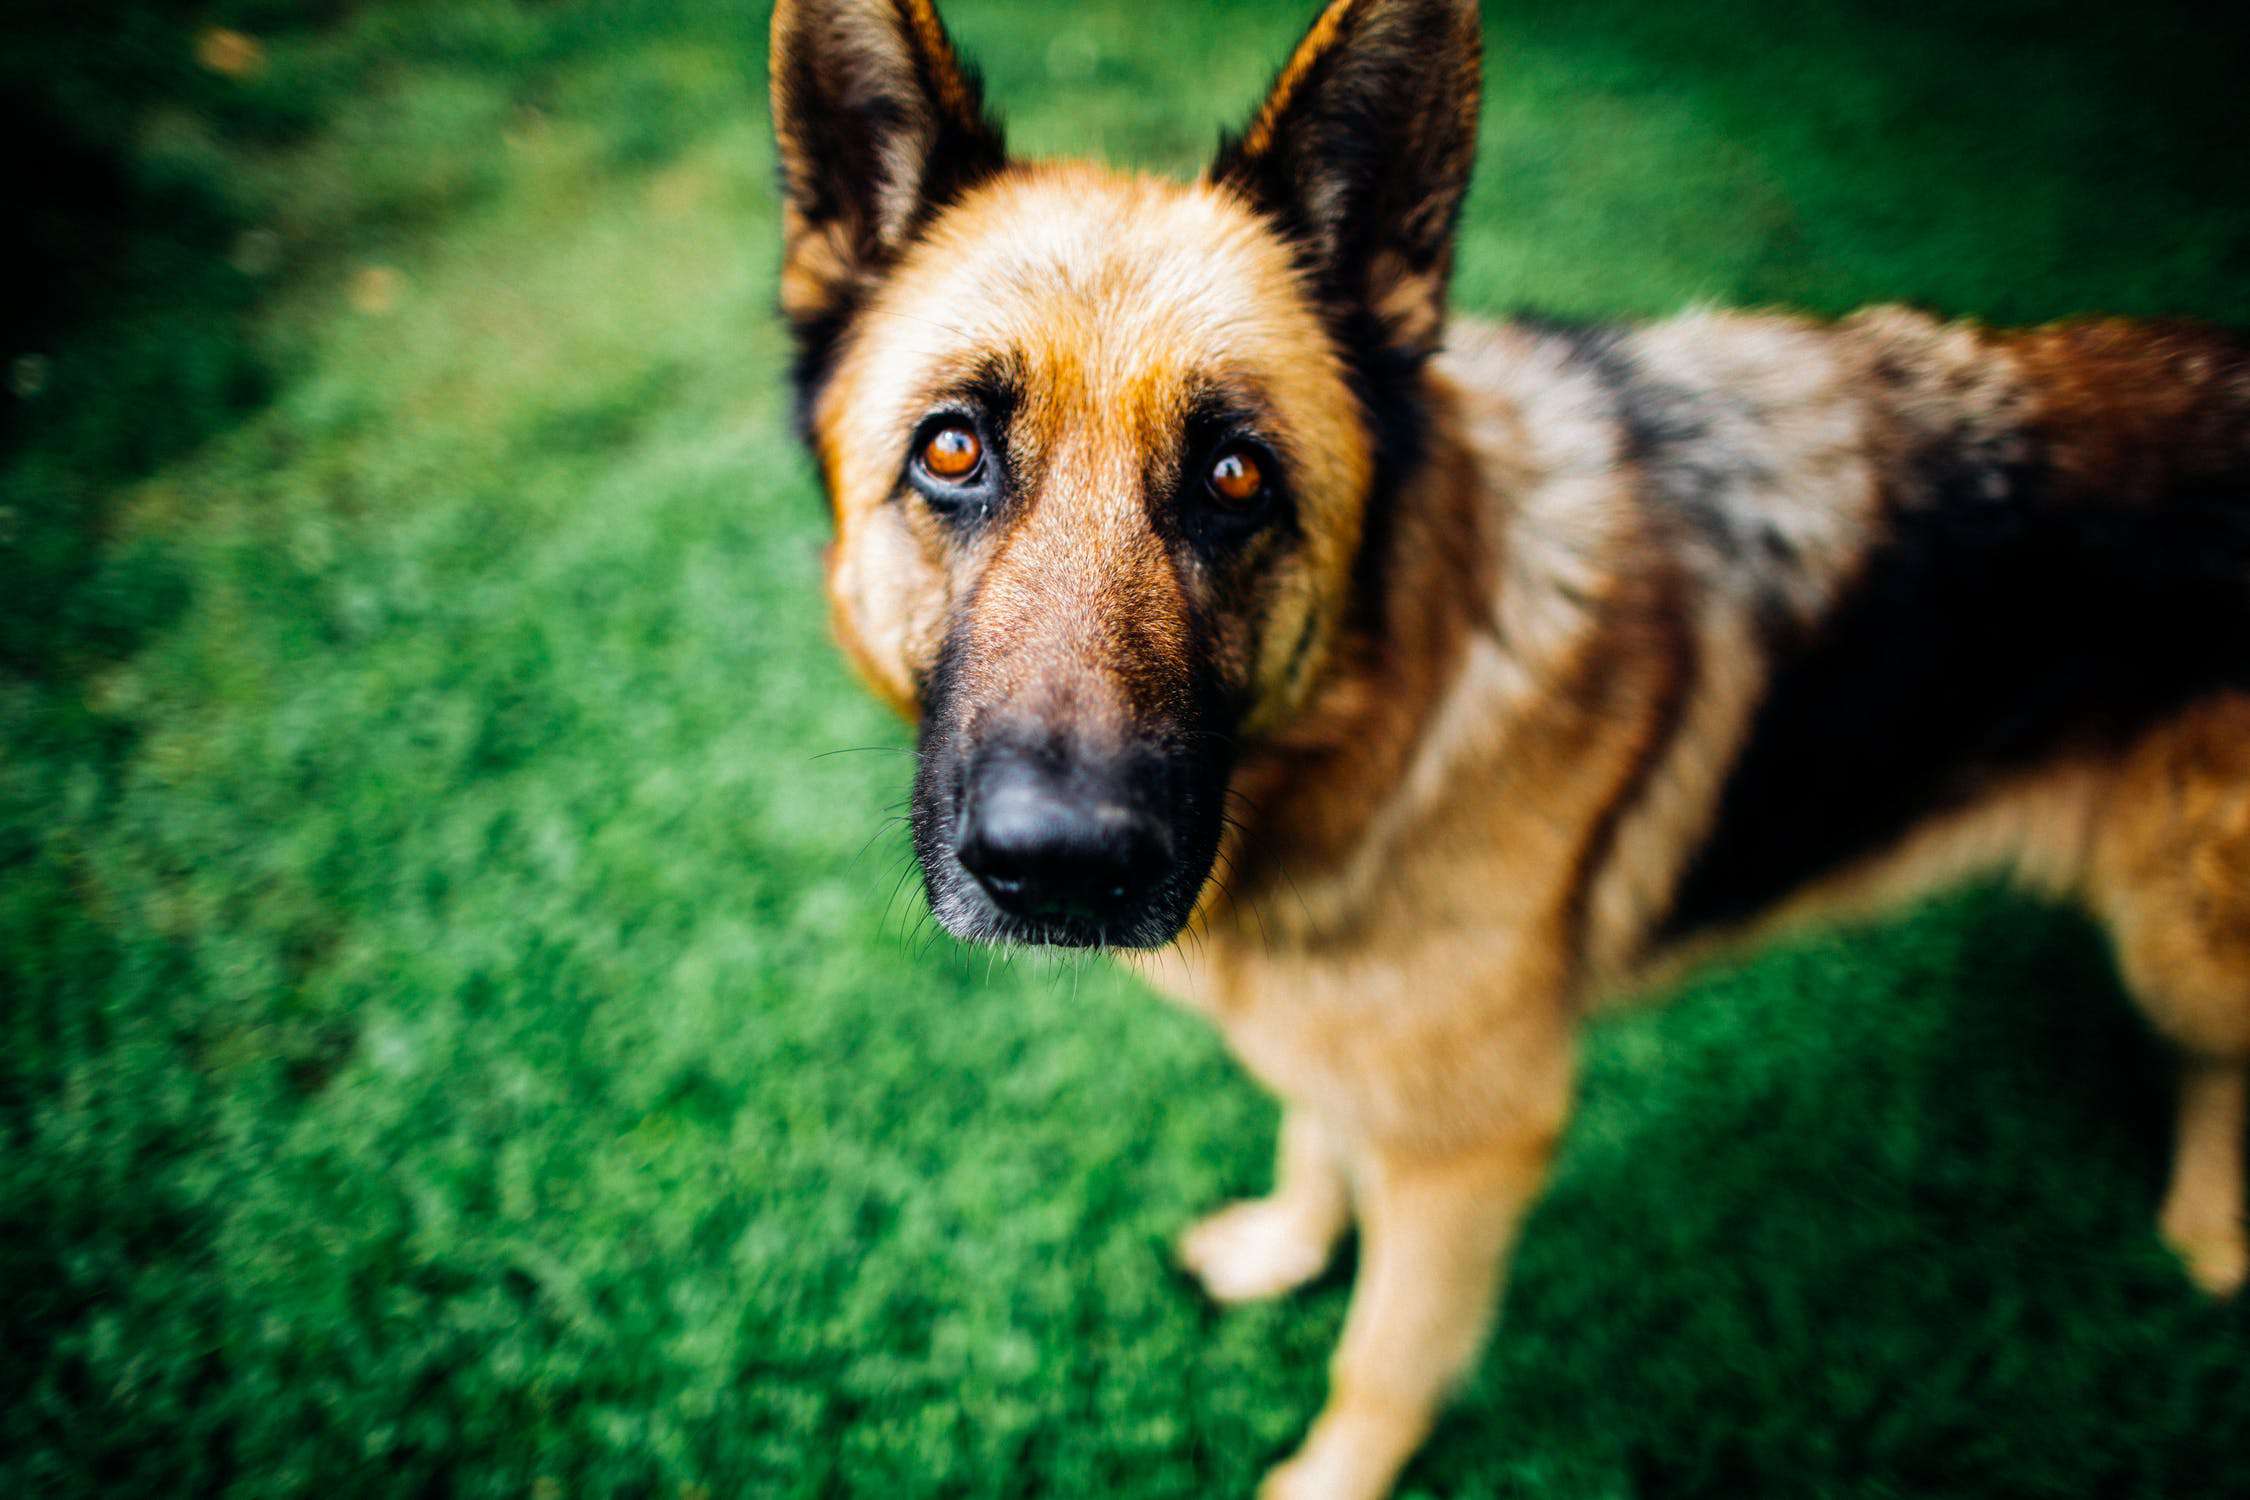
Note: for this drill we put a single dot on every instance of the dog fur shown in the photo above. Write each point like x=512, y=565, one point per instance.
x=1558, y=658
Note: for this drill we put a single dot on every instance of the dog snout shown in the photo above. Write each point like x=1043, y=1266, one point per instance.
x=1053, y=842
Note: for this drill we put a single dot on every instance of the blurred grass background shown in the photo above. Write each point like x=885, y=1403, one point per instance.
x=456, y=1040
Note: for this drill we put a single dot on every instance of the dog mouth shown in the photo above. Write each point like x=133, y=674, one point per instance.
x=1021, y=844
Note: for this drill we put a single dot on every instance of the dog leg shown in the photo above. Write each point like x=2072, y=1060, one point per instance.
x=2203, y=1210
x=2172, y=875
x=1434, y=1238
x=1263, y=1247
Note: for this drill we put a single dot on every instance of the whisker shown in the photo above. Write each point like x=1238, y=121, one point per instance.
x=880, y=829
x=953, y=328
x=868, y=750
x=905, y=874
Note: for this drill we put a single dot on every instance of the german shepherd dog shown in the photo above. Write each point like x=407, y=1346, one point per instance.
x=1501, y=667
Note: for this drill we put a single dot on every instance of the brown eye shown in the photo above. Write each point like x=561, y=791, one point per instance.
x=952, y=452
x=1236, y=478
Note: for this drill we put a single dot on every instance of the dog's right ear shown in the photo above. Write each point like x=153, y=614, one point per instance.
x=1361, y=154
x=878, y=124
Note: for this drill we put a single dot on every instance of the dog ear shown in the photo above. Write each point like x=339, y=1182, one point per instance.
x=1361, y=153
x=878, y=124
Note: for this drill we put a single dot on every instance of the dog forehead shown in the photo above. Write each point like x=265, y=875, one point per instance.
x=1111, y=301
x=1106, y=282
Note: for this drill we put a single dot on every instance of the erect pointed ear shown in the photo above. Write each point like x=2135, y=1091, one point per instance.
x=878, y=124
x=1361, y=153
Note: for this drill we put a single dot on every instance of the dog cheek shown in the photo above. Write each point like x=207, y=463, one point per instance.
x=886, y=605
x=1272, y=653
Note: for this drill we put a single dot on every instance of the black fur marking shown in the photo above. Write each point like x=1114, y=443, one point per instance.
x=816, y=342
x=1388, y=385
x=1301, y=652
x=1667, y=432
x=1997, y=626
x=1669, y=437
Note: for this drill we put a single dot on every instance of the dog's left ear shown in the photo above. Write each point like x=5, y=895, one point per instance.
x=1361, y=153
x=878, y=124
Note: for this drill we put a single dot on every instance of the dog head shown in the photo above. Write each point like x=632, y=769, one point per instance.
x=1104, y=451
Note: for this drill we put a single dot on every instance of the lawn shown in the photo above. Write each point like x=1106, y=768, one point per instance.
x=461, y=1033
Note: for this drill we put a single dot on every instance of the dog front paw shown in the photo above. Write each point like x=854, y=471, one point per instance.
x=1350, y=1454
x=2217, y=1259
x=1256, y=1249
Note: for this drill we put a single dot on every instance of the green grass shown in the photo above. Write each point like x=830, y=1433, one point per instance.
x=454, y=1040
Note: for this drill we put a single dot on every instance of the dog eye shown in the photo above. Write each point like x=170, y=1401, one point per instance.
x=953, y=452
x=1236, y=481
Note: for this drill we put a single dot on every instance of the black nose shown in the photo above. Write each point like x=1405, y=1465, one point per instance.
x=1061, y=842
